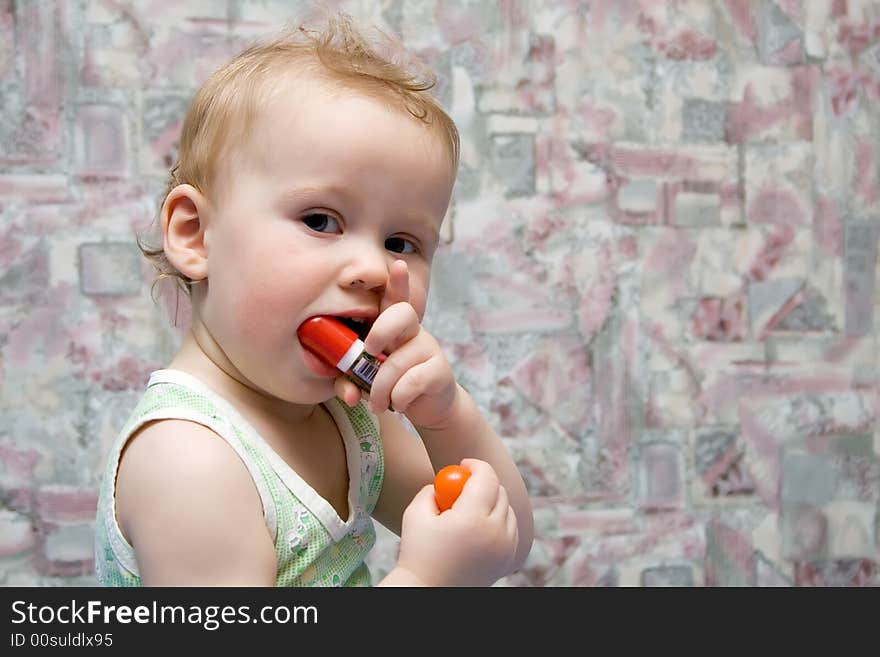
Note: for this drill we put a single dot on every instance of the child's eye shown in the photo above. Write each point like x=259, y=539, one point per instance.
x=321, y=222
x=401, y=245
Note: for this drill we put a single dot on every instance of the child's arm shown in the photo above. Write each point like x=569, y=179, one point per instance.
x=416, y=379
x=467, y=434
x=188, y=506
x=410, y=464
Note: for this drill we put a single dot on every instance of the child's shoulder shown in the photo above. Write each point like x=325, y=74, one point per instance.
x=174, y=393
x=178, y=459
x=179, y=479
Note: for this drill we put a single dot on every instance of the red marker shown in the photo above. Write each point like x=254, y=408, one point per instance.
x=339, y=346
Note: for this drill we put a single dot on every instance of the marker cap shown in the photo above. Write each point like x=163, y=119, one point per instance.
x=327, y=338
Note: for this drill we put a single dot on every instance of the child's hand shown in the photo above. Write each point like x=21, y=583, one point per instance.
x=471, y=544
x=415, y=378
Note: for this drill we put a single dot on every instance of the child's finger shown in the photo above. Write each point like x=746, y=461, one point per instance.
x=396, y=367
x=502, y=504
x=482, y=487
x=424, y=378
x=424, y=501
x=409, y=387
x=347, y=391
x=397, y=289
x=396, y=325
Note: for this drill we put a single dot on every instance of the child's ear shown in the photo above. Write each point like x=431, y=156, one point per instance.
x=183, y=231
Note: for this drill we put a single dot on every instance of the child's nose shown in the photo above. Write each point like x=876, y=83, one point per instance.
x=367, y=269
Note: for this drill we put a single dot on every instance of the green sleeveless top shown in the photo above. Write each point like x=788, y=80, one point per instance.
x=313, y=545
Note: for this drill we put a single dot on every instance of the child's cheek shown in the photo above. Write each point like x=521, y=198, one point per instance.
x=267, y=312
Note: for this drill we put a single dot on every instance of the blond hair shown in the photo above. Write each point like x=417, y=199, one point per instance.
x=227, y=104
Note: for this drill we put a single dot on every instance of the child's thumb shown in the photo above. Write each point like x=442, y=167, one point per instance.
x=424, y=501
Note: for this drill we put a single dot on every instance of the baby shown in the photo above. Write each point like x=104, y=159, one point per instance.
x=312, y=180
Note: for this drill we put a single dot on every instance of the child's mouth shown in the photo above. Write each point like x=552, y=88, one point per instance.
x=359, y=326
x=330, y=337
x=335, y=342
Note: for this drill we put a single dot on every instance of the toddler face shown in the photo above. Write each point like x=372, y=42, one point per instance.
x=332, y=187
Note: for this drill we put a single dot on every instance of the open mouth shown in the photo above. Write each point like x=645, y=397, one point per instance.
x=359, y=326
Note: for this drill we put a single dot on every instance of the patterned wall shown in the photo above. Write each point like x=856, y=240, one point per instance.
x=658, y=276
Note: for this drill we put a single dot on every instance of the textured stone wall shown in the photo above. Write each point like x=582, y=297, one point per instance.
x=658, y=276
